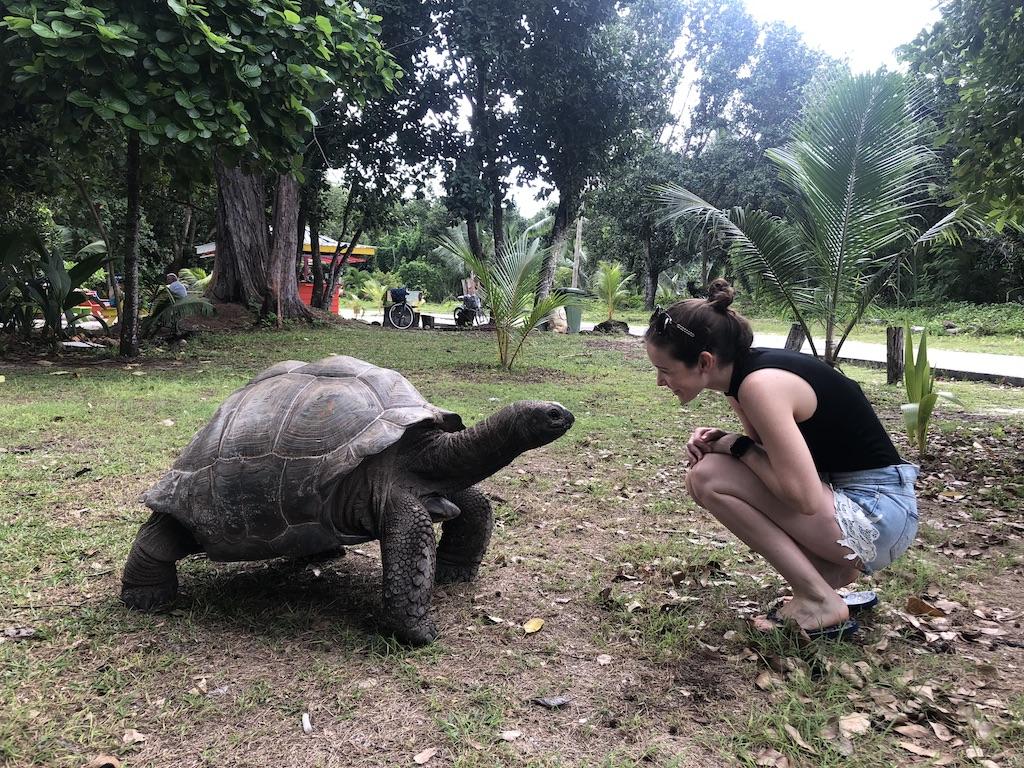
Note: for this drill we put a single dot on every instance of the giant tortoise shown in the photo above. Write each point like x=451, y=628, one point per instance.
x=309, y=457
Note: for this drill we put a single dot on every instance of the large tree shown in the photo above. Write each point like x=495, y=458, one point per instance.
x=591, y=73
x=974, y=59
x=235, y=76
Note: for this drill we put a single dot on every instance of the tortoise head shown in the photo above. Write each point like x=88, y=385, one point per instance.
x=536, y=422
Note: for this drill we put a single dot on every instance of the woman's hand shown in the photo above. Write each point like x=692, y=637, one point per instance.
x=701, y=442
x=724, y=443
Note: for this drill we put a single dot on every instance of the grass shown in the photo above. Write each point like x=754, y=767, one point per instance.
x=224, y=677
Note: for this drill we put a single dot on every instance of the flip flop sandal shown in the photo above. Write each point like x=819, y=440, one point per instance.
x=837, y=632
x=858, y=602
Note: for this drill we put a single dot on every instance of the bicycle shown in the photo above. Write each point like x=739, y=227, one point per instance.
x=466, y=314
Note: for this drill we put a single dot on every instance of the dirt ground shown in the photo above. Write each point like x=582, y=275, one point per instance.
x=654, y=654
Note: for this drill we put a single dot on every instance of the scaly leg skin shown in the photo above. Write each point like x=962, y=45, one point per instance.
x=407, y=550
x=150, y=577
x=464, y=539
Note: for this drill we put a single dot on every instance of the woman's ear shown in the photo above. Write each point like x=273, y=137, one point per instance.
x=706, y=362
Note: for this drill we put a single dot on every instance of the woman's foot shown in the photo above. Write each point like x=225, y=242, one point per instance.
x=815, y=612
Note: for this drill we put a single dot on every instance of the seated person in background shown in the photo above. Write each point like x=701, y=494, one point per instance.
x=470, y=306
x=176, y=287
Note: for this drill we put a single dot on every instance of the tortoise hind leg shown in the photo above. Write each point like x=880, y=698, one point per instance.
x=150, y=576
x=464, y=539
x=407, y=550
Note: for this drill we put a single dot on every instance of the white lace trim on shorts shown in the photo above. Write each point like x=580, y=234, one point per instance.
x=859, y=533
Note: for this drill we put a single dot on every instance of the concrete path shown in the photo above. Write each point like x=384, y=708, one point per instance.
x=979, y=366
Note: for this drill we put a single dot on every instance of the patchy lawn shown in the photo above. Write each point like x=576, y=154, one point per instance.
x=644, y=599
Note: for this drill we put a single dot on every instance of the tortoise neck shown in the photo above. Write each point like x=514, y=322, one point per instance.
x=457, y=460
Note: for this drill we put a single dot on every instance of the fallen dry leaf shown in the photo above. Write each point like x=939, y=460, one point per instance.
x=552, y=702
x=942, y=733
x=919, y=607
x=922, y=751
x=131, y=736
x=422, y=757
x=913, y=730
x=794, y=734
x=830, y=733
x=772, y=758
x=852, y=725
x=510, y=735
x=533, y=625
x=104, y=761
x=765, y=681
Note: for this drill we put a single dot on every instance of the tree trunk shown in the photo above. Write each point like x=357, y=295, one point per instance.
x=577, y=251
x=316, y=263
x=651, y=275
x=565, y=215
x=303, y=223
x=130, y=315
x=339, y=264
x=282, y=295
x=113, y=290
x=473, y=236
x=243, y=247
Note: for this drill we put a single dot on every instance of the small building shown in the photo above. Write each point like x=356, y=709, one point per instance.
x=360, y=257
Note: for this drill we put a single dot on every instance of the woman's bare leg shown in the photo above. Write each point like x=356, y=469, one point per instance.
x=798, y=546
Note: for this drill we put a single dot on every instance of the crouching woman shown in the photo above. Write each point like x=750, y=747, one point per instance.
x=814, y=484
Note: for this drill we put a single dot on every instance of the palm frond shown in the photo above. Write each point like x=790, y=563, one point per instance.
x=760, y=243
x=167, y=310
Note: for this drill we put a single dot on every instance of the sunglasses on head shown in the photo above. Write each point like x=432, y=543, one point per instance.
x=662, y=322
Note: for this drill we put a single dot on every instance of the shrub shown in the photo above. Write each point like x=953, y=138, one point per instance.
x=423, y=276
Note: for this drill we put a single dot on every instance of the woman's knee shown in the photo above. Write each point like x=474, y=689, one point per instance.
x=705, y=478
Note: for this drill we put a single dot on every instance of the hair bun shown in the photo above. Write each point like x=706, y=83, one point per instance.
x=720, y=293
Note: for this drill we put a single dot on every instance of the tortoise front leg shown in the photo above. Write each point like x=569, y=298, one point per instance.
x=150, y=575
x=464, y=539
x=407, y=551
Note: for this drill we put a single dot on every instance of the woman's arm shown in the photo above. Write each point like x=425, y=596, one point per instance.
x=773, y=402
x=748, y=428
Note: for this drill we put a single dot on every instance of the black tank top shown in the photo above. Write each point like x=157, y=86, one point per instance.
x=844, y=433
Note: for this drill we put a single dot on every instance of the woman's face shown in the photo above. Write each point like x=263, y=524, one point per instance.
x=685, y=383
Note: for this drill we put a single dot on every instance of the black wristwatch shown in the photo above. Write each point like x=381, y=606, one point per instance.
x=740, y=446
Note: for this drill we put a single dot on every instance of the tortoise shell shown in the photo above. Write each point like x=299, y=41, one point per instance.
x=255, y=482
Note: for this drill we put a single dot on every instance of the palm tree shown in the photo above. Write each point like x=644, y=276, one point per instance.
x=860, y=178
x=509, y=285
x=608, y=284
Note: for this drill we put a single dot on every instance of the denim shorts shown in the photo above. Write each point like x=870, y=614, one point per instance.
x=877, y=512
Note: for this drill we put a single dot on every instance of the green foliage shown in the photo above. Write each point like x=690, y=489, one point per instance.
x=167, y=310
x=423, y=276
x=196, y=74
x=973, y=58
x=195, y=279
x=354, y=280
x=610, y=287
x=860, y=179
x=509, y=286
x=34, y=277
x=972, y=319
x=920, y=386
x=373, y=291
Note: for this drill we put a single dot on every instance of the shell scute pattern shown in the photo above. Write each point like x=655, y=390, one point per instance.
x=257, y=481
